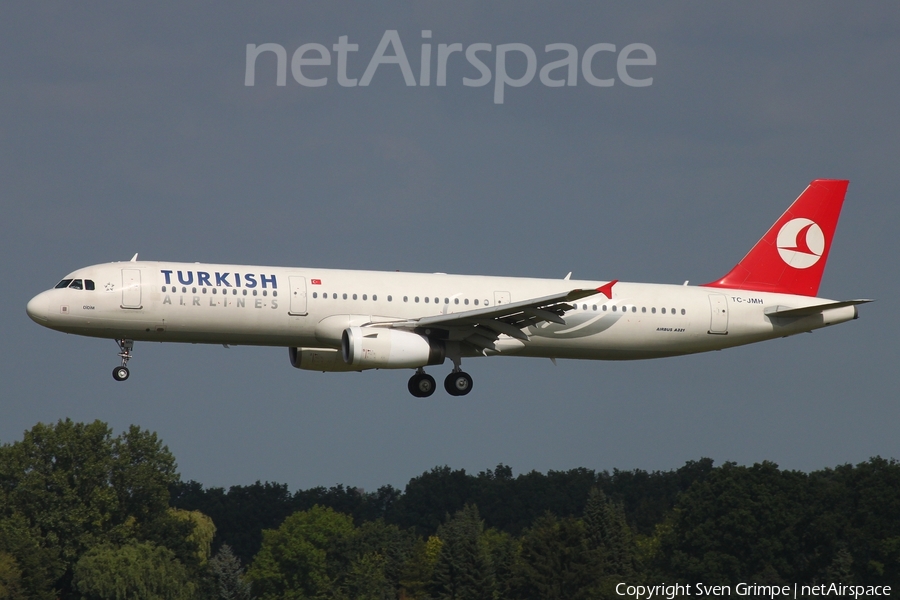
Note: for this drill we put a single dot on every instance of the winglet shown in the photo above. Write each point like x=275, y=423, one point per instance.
x=607, y=288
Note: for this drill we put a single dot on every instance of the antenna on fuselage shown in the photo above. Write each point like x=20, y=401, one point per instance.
x=134, y=258
x=567, y=277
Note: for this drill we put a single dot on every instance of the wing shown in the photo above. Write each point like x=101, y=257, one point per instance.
x=482, y=327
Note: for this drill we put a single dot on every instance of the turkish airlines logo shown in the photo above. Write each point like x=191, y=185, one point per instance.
x=801, y=243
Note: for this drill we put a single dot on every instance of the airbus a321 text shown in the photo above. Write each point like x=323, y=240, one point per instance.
x=341, y=320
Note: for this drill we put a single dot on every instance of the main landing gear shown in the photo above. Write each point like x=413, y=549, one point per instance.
x=125, y=347
x=457, y=383
x=421, y=385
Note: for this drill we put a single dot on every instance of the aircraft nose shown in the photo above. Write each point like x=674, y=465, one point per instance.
x=37, y=308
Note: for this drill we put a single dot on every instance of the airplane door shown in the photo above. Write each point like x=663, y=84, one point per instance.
x=131, y=288
x=501, y=298
x=298, y=295
x=718, y=307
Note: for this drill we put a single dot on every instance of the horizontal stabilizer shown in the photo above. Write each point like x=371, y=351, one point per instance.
x=784, y=311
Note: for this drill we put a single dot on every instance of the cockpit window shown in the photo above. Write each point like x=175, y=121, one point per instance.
x=63, y=284
x=89, y=284
x=76, y=285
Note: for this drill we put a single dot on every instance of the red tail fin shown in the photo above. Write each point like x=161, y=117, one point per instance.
x=791, y=257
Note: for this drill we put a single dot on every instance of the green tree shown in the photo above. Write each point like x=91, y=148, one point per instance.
x=10, y=578
x=554, y=562
x=418, y=570
x=503, y=551
x=463, y=570
x=299, y=559
x=135, y=570
x=367, y=580
x=228, y=575
x=741, y=524
x=610, y=544
x=36, y=567
x=202, y=530
x=377, y=555
x=70, y=487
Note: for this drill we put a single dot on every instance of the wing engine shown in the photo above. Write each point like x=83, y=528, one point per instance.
x=383, y=348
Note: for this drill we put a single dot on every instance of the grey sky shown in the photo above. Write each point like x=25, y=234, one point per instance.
x=129, y=129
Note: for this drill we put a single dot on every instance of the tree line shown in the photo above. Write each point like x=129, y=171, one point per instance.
x=87, y=514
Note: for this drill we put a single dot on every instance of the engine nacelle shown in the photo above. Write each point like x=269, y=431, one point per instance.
x=319, y=359
x=378, y=348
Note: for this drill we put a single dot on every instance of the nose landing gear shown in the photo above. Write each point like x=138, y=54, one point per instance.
x=125, y=348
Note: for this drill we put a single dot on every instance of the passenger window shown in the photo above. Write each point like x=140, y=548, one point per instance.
x=466, y=301
x=663, y=311
x=653, y=310
x=354, y=296
x=234, y=292
x=254, y=292
x=405, y=298
x=274, y=293
x=673, y=310
x=204, y=290
x=315, y=295
x=604, y=308
x=265, y=292
x=214, y=290
x=594, y=307
x=682, y=311
x=184, y=291
x=374, y=298
x=643, y=309
x=63, y=284
x=634, y=309
x=447, y=301
x=76, y=284
x=427, y=299
x=365, y=296
x=164, y=288
x=476, y=302
x=244, y=292
x=456, y=301
x=437, y=300
x=334, y=296
x=344, y=296
x=417, y=299
x=89, y=285
x=193, y=290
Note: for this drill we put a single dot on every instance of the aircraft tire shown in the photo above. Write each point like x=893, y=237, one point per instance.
x=458, y=383
x=421, y=385
x=121, y=373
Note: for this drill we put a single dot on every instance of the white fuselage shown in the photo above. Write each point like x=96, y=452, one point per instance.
x=303, y=307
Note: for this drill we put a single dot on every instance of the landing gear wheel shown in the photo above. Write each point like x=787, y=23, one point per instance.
x=458, y=383
x=421, y=385
x=121, y=373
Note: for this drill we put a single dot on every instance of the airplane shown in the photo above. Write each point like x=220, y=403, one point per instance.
x=344, y=320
